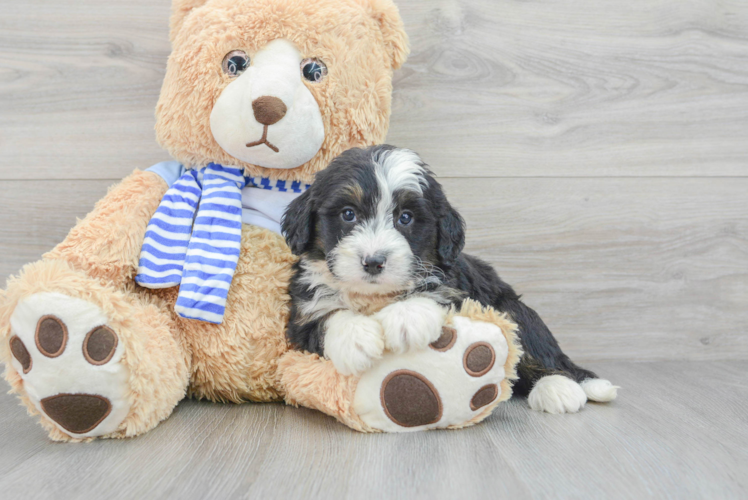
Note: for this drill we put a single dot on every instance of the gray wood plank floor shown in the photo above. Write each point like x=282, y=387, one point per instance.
x=674, y=433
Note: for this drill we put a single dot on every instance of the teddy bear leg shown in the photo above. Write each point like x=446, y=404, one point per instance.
x=454, y=383
x=92, y=360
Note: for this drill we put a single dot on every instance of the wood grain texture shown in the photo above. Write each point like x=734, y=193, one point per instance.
x=619, y=268
x=79, y=81
x=582, y=88
x=493, y=88
x=624, y=268
x=37, y=215
x=672, y=434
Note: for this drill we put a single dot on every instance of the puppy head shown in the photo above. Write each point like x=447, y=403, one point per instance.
x=378, y=220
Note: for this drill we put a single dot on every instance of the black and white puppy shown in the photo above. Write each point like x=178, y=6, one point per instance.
x=380, y=261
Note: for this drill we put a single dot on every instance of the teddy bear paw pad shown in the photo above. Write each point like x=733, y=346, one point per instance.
x=410, y=400
x=71, y=363
x=449, y=384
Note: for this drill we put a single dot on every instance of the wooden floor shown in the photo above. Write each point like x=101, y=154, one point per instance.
x=674, y=433
x=599, y=153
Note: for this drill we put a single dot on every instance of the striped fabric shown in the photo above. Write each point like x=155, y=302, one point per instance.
x=168, y=234
x=196, y=246
x=282, y=186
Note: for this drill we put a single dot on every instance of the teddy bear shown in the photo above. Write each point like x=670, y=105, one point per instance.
x=130, y=314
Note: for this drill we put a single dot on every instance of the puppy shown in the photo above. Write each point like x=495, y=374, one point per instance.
x=381, y=261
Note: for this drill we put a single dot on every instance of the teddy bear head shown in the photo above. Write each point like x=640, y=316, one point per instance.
x=279, y=87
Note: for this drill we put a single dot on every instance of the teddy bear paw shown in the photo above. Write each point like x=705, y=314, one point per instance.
x=452, y=383
x=70, y=363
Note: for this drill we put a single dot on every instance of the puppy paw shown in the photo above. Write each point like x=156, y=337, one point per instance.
x=600, y=390
x=353, y=342
x=411, y=324
x=557, y=394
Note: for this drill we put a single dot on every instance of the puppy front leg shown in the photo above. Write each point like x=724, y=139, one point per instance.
x=411, y=324
x=352, y=342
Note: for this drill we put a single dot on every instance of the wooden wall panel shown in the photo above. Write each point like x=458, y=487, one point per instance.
x=619, y=268
x=493, y=88
x=597, y=149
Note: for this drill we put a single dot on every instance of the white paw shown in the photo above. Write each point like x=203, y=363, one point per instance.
x=453, y=382
x=69, y=361
x=600, y=390
x=353, y=342
x=411, y=324
x=557, y=394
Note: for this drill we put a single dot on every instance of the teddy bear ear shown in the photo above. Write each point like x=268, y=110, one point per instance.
x=385, y=13
x=179, y=11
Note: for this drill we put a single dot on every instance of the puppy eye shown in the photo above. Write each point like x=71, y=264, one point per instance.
x=313, y=70
x=235, y=62
x=405, y=218
x=348, y=215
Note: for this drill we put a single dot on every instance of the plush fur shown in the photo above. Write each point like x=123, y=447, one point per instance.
x=384, y=202
x=361, y=42
x=246, y=358
x=158, y=362
x=167, y=357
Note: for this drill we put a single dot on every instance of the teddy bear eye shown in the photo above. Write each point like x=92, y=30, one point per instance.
x=313, y=69
x=235, y=62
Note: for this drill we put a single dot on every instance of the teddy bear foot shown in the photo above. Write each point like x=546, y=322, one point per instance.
x=70, y=363
x=454, y=383
x=94, y=361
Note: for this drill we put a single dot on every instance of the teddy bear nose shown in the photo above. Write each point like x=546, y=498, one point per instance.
x=268, y=109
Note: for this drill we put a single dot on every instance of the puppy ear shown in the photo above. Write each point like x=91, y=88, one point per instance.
x=180, y=9
x=387, y=16
x=450, y=226
x=451, y=237
x=296, y=224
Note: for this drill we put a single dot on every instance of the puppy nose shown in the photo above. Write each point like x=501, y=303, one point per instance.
x=268, y=109
x=374, y=265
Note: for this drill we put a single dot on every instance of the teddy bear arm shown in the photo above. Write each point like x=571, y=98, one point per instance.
x=106, y=243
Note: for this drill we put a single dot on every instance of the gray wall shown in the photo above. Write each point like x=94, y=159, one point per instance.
x=598, y=150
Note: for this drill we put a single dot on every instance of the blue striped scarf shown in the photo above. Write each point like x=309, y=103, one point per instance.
x=194, y=239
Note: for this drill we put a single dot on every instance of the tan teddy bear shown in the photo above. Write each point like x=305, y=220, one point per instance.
x=275, y=89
